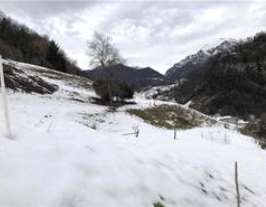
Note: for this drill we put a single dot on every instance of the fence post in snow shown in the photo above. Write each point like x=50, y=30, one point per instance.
x=237, y=185
x=4, y=101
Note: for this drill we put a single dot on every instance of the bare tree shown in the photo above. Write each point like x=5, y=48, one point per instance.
x=102, y=52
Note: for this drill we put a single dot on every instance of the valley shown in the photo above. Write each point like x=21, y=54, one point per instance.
x=132, y=103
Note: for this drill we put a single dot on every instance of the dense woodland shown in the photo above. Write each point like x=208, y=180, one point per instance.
x=20, y=43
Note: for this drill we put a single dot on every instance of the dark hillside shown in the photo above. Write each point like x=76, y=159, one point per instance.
x=135, y=77
x=20, y=43
x=230, y=82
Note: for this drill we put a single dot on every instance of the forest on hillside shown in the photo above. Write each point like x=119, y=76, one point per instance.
x=18, y=42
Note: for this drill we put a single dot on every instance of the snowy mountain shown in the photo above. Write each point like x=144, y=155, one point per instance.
x=68, y=151
x=192, y=62
x=219, y=45
x=229, y=79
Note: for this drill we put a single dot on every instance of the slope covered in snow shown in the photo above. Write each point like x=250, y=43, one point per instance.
x=195, y=61
x=218, y=45
x=70, y=152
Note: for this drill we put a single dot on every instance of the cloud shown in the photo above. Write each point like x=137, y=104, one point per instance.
x=44, y=9
x=154, y=33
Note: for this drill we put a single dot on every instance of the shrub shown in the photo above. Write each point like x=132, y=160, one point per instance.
x=158, y=204
x=110, y=90
x=123, y=91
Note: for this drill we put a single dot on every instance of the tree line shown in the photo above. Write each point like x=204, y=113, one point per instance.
x=18, y=42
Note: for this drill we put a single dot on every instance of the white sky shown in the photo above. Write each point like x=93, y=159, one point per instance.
x=148, y=33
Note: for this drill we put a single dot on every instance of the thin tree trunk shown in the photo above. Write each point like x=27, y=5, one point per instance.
x=110, y=91
x=108, y=80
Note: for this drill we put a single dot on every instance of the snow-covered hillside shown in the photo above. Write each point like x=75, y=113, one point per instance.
x=192, y=62
x=68, y=152
x=219, y=45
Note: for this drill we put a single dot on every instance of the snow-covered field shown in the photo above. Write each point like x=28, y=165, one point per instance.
x=72, y=154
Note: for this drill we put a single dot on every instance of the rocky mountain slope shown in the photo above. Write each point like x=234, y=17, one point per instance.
x=195, y=61
x=136, y=77
x=232, y=81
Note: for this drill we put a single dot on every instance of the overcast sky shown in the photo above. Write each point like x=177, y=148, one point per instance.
x=148, y=33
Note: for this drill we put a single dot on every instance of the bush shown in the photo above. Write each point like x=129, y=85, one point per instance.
x=158, y=204
x=109, y=90
x=123, y=91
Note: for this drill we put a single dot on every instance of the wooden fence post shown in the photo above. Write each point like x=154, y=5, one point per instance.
x=4, y=102
x=137, y=133
x=237, y=185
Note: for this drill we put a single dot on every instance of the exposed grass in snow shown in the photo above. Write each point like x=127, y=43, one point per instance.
x=169, y=116
x=256, y=129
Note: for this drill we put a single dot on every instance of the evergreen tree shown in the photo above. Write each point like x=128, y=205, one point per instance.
x=56, y=57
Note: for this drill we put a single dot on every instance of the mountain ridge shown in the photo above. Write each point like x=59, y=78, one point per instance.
x=192, y=62
x=136, y=77
x=230, y=82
